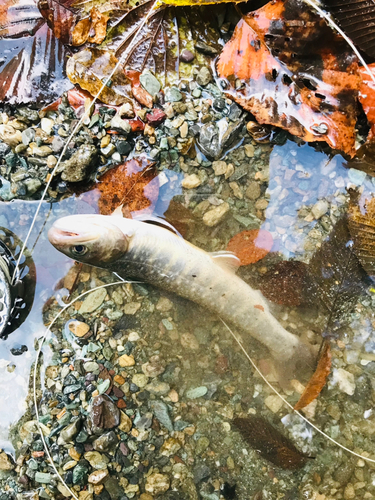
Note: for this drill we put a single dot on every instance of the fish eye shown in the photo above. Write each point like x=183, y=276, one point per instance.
x=78, y=250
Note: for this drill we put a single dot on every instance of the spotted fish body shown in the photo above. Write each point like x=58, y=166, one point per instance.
x=145, y=252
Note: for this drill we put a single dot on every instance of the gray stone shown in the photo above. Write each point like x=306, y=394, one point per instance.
x=105, y=442
x=28, y=136
x=149, y=82
x=79, y=166
x=173, y=95
x=57, y=144
x=196, y=392
x=32, y=185
x=117, y=123
x=42, y=477
x=186, y=56
x=160, y=410
x=209, y=140
x=69, y=432
x=204, y=76
x=157, y=387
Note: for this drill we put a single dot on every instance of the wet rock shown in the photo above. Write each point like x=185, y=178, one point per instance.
x=32, y=185
x=156, y=117
x=219, y=167
x=319, y=209
x=253, y=191
x=46, y=124
x=273, y=403
x=79, y=165
x=125, y=423
x=28, y=136
x=186, y=56
x=150, y=83
x=10, y=135
x=157, y=483
x=140, y=380
x=98, y=476
x=154, y=367
x=91, y=367
x=43, y=477
x=125, y=361
x=5, y=462
x=170, y=447
x=157, y=387
x=201, y=473
x=93, y=301
x=80, y=475
x=215, y=215
x=204, y=76
x=123, y=126
x=104, y=413
x=204, y=48
x=113, y=488
x=172, y=94
x=344, y=379
x=196, y=392
x=69, y=432
x=57, y=144
x=191, y=181
x=160, y=410
x=96, y=460
x=209, y=140
x=105, y=442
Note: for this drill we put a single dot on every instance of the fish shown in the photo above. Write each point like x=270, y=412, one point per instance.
x=138, y=250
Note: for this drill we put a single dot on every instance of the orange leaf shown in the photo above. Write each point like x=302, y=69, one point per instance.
x=318, y=379
x=295, y=73
x=251, y=246
x=367, y=97
x=131, y=184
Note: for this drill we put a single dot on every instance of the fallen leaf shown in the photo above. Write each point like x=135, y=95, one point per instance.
x=92, y=29
x=251, y=246
x=286, y=283
x=18, y=19
x=60, y=17
x=132, y=184
x=291, y=70
x=90, y=67
x=337, y=276
x=318, y=379
x=139, y=93
x=356, y=19
x=269, y=442
x=33, y=68
x=361, y=221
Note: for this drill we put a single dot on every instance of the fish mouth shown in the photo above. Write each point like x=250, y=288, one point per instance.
x=60, y=237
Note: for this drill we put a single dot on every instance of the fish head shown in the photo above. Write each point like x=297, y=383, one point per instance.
x=91, y=239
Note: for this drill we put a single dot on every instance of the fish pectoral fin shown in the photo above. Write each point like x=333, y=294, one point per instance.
x=226, y=260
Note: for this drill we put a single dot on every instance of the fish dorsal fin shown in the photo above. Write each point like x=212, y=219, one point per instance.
x=156, y=221
x=226, y=260
x=118, y=212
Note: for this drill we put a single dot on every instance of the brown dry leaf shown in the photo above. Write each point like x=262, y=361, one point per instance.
x=356, y=19
x=18, y=19
x=287, y=283
x=288, y=68
x=132, y=184
x=318, y=379
x=251, y=246
x=361, y=221
x=60, y=16
x=269, y=442
x=92, y=29
x=90, y=67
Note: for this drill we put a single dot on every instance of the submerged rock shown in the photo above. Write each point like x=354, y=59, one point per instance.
x=79, y=166
x=104, y=413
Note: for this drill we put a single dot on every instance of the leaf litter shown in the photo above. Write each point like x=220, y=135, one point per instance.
x=288, y=452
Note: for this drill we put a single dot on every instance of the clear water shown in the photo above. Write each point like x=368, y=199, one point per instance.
x=199, y=351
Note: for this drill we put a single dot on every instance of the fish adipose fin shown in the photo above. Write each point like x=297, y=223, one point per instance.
x=226, y=260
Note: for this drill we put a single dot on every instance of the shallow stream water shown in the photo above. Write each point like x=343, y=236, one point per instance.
x=184, y=378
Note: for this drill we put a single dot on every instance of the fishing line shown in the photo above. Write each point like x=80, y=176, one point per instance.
x=287, y=402
x=41, y=342
x=85, y=115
